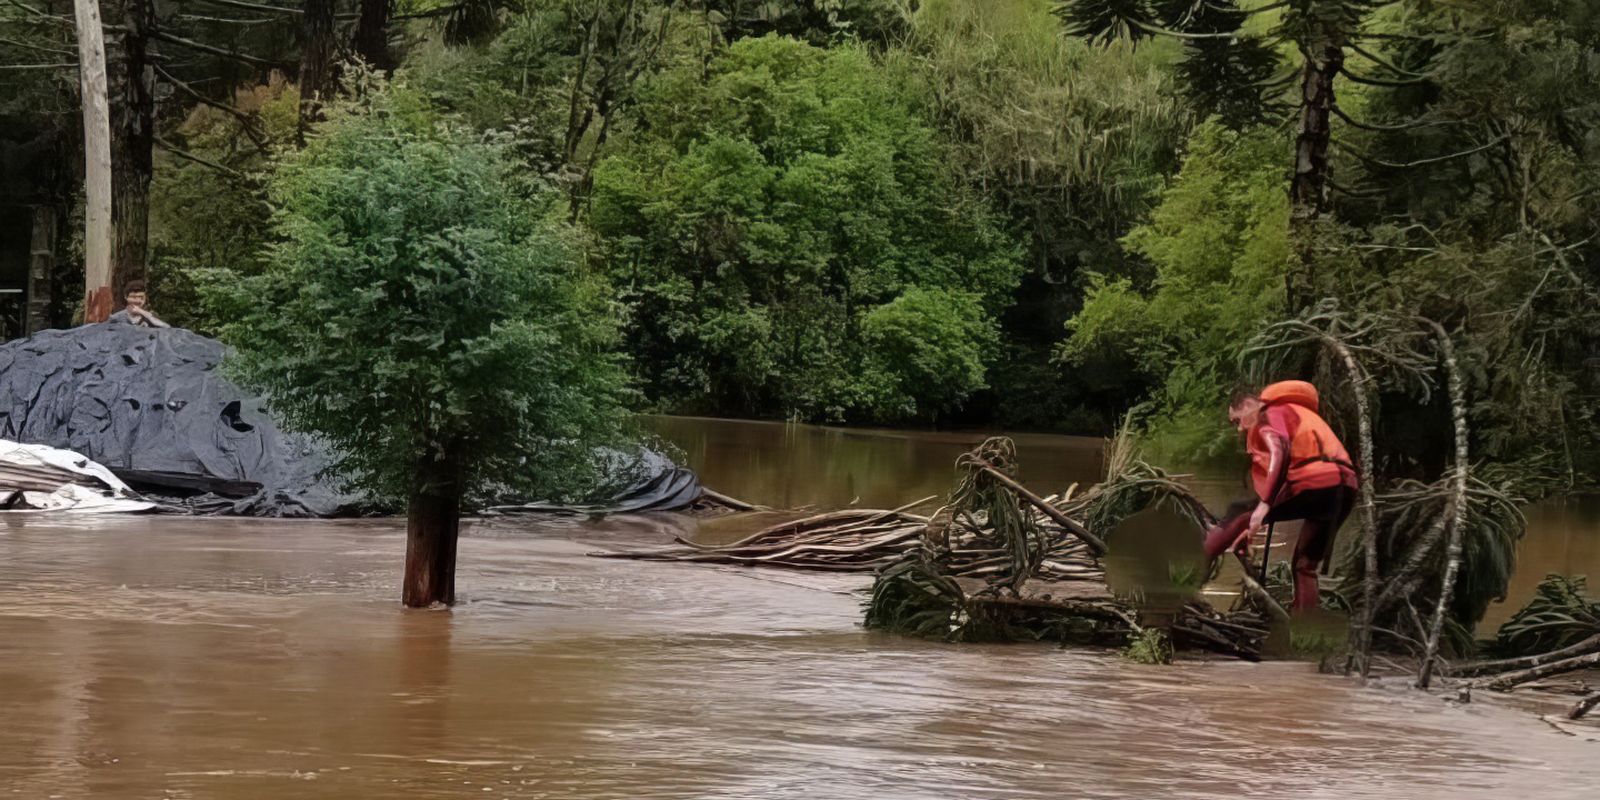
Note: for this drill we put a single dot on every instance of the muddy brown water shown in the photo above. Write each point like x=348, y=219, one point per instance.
x=158, y=657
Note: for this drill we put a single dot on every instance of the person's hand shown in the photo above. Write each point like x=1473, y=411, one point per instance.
x=1258, y=518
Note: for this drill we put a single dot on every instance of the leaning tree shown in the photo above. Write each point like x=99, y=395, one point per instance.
x=428, y=319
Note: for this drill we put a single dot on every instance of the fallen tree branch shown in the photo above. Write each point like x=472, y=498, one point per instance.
x=1260, y=595
x=731, y=502
x=1048, y=510
x=1510, y=680
x=1475, y=669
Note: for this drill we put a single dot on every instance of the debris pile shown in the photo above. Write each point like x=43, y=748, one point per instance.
x=995, y=561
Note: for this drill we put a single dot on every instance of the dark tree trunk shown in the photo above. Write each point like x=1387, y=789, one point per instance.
x=316, y=59
x=372, y=34
x=41, y=265
x=132, y=94
x=1308, y=190
x=433, y=521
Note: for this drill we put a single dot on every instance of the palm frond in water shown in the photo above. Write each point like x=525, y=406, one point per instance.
x=1559, y=615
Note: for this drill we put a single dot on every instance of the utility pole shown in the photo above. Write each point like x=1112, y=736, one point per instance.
x=97, y=296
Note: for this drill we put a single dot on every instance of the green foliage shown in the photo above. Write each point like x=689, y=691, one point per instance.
x=1149, y=646
x=778, y=198
x=816, y=21
x=1218, y=241
x=1309, y=644
x=912, y=597
x=422, y=313
x=929, y=347
x=1074, y=140
x=1073, y=143
x=1560, y=614
x=209, y=227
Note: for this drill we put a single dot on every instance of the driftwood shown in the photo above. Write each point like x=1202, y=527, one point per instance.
x=1475, y=669
x=996, y=561
x=1259, y=593
x=1510, y=680
x=721, y=500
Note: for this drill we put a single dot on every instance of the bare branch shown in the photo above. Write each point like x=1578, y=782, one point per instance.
x=1413, y=164
x=1383, y=62
x=228, y=20
x=1370, y=81
x=1403, y=126
x=188, y=156
x=38, y=66
x=245, y=122
x=1160, y=31
x=40, y=48
x=31, y=10
x=253, y=6
x=216, y=51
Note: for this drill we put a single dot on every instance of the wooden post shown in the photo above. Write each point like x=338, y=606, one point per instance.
x=41, y=262
x=97, y=296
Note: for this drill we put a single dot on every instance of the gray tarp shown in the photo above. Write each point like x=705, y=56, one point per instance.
x=150, y=405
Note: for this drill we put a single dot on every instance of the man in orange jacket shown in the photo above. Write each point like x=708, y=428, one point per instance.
x=1299, y=470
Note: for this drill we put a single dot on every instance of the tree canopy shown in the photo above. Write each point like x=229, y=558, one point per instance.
x=424, y=310
x=778, y=224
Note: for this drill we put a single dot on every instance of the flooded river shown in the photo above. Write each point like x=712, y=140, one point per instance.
x=158, y=657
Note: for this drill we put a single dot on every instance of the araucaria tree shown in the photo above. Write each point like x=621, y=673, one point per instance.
x=429, y=318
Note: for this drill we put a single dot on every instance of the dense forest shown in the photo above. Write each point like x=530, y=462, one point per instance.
x=1024, y=214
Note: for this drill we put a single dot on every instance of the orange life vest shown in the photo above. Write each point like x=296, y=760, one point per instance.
x=1316, y=457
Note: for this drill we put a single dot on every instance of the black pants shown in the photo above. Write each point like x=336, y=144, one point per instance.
x=1322, y=511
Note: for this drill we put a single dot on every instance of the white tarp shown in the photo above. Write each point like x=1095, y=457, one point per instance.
x=34, y=477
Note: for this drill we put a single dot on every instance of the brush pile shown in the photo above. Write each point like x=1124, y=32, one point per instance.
x=996, y=561
x=1558, y=633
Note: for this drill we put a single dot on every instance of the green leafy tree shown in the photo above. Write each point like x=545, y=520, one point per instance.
x=426, y=317
x=776, y=197
x=1072, y=143
x=930, y=348
x=209, y=215
x=1219, y=244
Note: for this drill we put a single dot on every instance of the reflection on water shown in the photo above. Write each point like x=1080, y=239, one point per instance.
x=788, y=466
x=156, y=657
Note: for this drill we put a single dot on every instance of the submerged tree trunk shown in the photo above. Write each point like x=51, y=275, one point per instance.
x=97, y=296
x=1308, y=190
x=316, y=60
x=372, y=34
x=41, y=263
x=433, y=522
x=133, y=123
